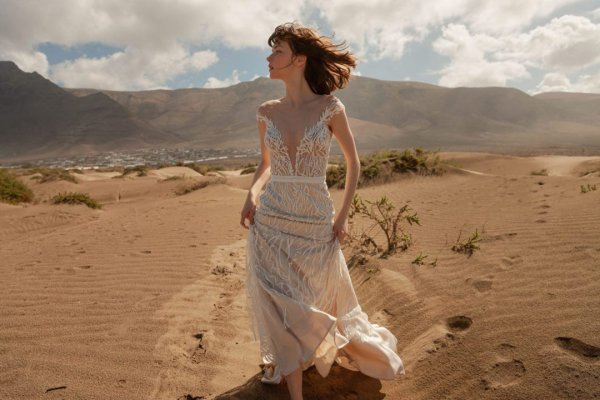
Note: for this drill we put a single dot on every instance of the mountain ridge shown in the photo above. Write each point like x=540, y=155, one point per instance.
x=40, y=118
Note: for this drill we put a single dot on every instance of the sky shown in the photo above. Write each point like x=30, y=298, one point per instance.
x=533, y=45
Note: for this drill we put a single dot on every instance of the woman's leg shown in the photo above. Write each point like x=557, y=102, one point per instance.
x=294, y=384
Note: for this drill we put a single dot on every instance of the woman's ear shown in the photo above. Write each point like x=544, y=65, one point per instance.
x=300, y=60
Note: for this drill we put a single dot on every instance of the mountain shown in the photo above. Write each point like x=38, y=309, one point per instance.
x=38, y=118
x=382, y=114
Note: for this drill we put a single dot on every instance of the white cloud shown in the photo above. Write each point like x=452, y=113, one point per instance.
x=557, y=82
x=144, y=23
x=509, y=16
x=565, y=43
x=153, y=33
x=487, y=42
x=27, y=61
x=554, y=82
x=213, y=82
x=383, y=28
x=468, y=65
x=132, y=69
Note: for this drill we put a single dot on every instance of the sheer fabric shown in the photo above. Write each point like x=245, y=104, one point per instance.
x=301, y=301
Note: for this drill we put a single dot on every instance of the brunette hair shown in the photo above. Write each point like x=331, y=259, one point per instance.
x=328, y=65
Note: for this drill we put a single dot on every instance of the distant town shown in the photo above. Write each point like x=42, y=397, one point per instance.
x=131, y=158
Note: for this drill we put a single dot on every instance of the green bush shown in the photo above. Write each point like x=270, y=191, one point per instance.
x=51, y=175
x=469, y=245
x=12, y=190
x=248, y=170
x=382, y=166
x=336, y=176
x=388, y=219
x=204, y=168
x=140, y=170
x=196, y=184
x=541, y=172
x=75, y=198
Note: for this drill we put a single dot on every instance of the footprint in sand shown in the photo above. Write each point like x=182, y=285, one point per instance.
x=459, y=323
x=502, y=236
x=455, y=324
x=511, y=261
x=200, y=337
x=503, y=374
x=580, y=349
x=506, y=349
x=481, y=285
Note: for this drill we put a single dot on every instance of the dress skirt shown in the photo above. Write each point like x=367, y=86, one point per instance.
x=302, y=304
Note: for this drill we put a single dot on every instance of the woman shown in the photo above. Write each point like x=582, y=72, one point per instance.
x=303, y=306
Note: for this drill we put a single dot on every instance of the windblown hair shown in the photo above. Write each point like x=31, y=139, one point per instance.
x=328, y=65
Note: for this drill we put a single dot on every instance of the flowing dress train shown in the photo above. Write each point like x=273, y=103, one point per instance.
x=301, y=300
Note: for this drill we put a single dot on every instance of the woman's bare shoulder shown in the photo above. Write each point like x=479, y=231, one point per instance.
x=268, y=106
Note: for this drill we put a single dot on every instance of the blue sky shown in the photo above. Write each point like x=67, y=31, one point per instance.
x=533, y=45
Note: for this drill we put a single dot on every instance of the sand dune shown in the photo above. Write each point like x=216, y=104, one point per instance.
x=145, y=297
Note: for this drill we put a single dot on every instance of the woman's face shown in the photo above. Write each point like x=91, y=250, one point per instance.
x=281, y=60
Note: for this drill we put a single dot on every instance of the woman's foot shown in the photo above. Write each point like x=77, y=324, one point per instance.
x=294, y=384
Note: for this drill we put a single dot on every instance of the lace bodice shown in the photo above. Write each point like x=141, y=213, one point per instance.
x=310, y=156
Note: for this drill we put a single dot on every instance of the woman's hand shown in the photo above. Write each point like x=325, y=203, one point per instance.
x=248, y=212
x=340, y=229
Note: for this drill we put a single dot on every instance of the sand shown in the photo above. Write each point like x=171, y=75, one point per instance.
x=145, y=298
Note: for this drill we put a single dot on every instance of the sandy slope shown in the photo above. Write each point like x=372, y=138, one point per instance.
x=145, y=298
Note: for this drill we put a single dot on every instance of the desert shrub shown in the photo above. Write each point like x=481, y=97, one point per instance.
x=248, y=170
x=75, y=198
x=370, y=171
x=203, y=168
x=173, y=178
x=541, y=172
x=384, y=165
x=114, y=168
x=195, y=185
x=336, y=176
x=588, y=188
x=12, y=190
x=139, y=170
x=388, y=219
x=51, y=175
x=589, y=172
x=469, y=245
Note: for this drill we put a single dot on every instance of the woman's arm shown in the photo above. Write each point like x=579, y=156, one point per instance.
x=263, y=170
x=261, y=176
x=343, y=134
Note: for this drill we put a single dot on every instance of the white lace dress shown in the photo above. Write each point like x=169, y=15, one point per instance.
x=301, y=300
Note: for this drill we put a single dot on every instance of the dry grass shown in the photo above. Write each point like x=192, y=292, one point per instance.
x=194, y=185
x=75, y=198
x=385, y=165
x=12, y=190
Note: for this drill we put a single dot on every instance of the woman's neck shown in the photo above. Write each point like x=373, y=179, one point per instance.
x=297, y=92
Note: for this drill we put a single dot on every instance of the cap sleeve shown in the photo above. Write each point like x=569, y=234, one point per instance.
x=336, y=106
x=261, y=114
x=260, y=117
